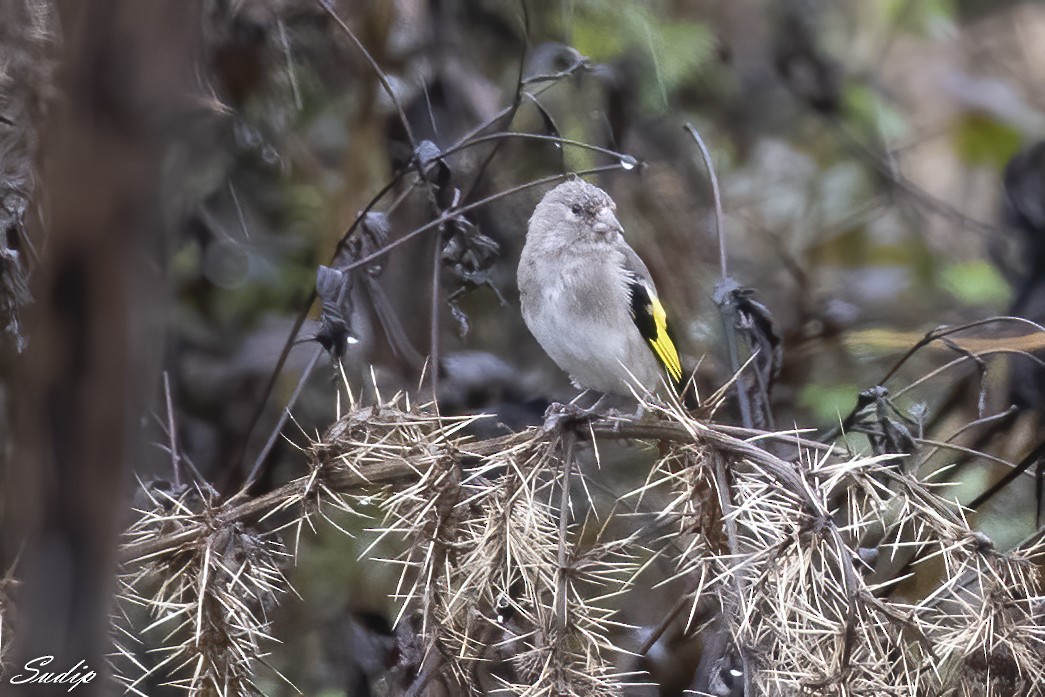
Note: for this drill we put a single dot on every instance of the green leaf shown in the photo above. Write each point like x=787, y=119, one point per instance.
x=975, y=283
x=983, y=141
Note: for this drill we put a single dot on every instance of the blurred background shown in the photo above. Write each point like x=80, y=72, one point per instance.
x=173, y=173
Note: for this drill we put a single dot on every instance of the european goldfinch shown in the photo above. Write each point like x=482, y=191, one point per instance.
x=589, y=300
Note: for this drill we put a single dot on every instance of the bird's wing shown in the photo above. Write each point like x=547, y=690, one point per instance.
x=649, y=315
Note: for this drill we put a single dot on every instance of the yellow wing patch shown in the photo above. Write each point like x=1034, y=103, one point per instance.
x=662, y=344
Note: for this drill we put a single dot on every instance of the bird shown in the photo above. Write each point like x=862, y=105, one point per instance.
x=589, y=299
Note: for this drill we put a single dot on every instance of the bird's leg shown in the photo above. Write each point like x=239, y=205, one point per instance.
x=618, y=417
x=559, y=414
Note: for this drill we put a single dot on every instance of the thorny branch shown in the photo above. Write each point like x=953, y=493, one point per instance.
x=448, y=492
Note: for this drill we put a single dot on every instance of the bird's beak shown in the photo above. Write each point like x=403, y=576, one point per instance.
x=606, y=222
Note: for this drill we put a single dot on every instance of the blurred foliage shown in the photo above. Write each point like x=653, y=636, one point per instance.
x=675, y=52
x=932, y=17
x=869, y=109
x=975, y=283
x=828, y=403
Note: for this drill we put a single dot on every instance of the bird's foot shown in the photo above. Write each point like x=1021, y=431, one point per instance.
x=622, y=416
x=559, y=416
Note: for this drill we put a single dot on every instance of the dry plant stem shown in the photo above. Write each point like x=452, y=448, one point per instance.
x=780, y=470
x=941, y=332
x=728, y=324
x=986, y=420
x=552, y=81
x=284, y=415
x=569, y=442
x=404, y=470
x=719, y=217
x=796, y=484
x=968, y=576
x=663, y=625
x=1025, y=464
x=558, y=140
x=974, y=357
x=945, y=445
x=377, y=70
x=259, y=409
x=433, y=350
x=172, y=432
x=470, y=139
x=446, y=217
x=182, y=457
x=291, y=73
x=390, y=324
x=513, y=108
x=437, y=257
x=432, y=664
x=739, y=576
x=734, y=365
x=299, y=321
x=793, y=438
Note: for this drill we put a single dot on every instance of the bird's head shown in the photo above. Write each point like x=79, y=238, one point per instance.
x=575, y=211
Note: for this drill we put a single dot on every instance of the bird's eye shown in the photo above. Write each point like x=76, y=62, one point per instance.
x=576, y=209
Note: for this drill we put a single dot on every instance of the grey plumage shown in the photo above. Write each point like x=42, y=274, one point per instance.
x=577, y=278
